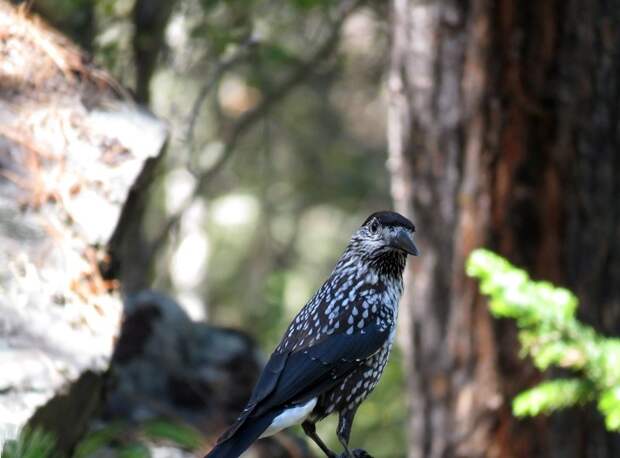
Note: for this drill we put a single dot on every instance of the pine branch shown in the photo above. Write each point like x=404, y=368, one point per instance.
x=551, y=334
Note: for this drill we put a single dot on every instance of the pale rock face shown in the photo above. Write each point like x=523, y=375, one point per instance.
x=71, y=156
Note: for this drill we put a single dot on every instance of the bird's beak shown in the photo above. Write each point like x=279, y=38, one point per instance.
x=403, y=240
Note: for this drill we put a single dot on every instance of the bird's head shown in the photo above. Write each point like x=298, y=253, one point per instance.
x=384, y=233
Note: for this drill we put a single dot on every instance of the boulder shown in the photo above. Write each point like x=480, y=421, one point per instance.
x=72, y=145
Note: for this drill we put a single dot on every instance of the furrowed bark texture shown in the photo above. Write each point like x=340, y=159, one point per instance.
x=503, y=132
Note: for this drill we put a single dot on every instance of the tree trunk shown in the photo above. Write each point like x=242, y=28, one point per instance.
x=150, y=18
x=503, y=132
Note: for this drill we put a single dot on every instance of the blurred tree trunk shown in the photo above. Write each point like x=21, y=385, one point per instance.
x=150, y=18
x=503, y=132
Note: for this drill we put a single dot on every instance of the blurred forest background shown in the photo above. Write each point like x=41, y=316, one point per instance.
x=490, y=123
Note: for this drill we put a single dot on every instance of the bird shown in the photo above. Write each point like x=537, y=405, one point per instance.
x=334, y=351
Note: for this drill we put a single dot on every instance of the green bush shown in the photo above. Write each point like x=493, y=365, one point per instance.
x=30, y=444
x=122, y=439
x=552, y=336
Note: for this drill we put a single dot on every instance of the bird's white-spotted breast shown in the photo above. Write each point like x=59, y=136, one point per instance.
x=381, y=305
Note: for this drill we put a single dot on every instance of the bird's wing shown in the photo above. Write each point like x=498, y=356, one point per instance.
x=290, y=378
x=265, y=385
x=312, y=370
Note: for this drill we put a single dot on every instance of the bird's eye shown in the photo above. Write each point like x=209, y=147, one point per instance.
x=374, y=227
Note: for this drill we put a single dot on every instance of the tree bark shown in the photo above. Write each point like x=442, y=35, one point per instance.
x=503, y=127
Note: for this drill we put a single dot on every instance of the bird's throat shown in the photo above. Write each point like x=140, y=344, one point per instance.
x=389, y=265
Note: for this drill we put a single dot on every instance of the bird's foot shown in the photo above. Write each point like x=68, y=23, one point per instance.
x=356, y=453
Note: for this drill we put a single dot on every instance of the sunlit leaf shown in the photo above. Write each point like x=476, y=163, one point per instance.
x=609, y=405
x=551, y=396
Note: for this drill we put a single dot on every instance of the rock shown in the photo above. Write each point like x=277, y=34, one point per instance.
x=165, y=363
x=167, y=366
x=69, y=155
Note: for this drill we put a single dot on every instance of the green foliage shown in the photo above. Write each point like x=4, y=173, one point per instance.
x=609, y=404
x=182, y=435
x=552, y=395
x=30, y=444
x=553, y=337
x=126, y=440
x=135, y=450
x=98, y=439
x=129, y=441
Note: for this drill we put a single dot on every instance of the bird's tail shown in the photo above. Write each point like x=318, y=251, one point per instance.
x=233, y=445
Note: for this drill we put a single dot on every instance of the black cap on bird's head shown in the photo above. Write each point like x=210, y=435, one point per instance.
x=386, y=231
x=389, y=218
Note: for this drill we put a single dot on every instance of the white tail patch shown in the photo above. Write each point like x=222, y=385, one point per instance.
x=290, y=417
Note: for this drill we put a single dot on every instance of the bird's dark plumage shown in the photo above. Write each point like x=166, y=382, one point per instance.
x=333, y=353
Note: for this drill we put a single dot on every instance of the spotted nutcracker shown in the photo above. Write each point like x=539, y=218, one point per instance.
x=333, y=353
